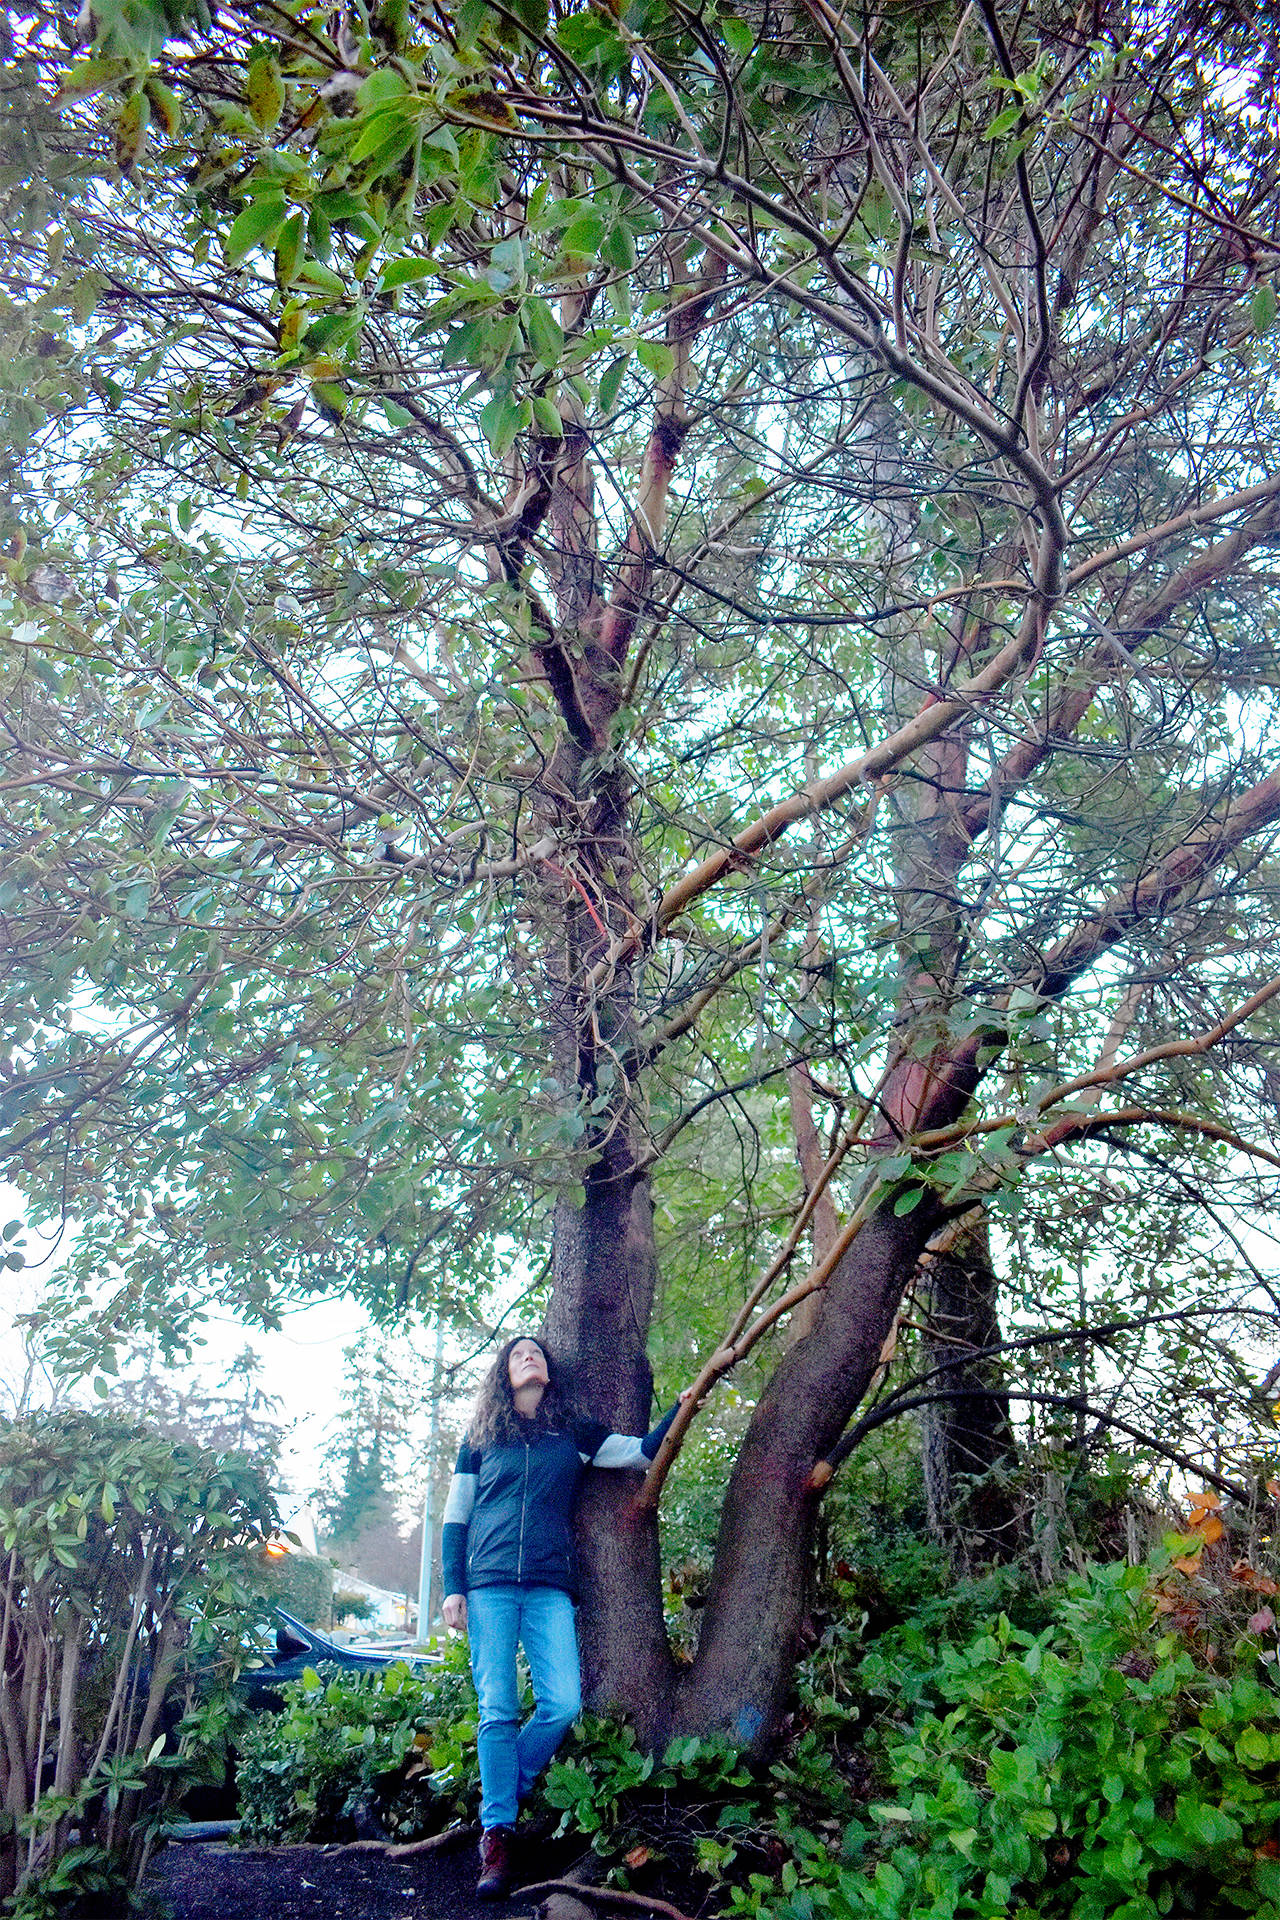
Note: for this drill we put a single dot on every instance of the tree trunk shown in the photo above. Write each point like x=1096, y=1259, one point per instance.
x=758, y=1596
x=604, y=1262
x=597, y=1323
x=969, y=1438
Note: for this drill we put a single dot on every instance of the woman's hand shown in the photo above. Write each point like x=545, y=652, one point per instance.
x=455, y=1612
x=722, y=1359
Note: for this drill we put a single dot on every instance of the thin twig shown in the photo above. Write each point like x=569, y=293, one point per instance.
x=607, y=1896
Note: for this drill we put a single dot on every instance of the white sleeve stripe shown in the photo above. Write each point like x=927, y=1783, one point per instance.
x=461, y=1500
x=619, y=1450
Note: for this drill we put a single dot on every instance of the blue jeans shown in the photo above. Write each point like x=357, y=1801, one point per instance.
x=512, y=1756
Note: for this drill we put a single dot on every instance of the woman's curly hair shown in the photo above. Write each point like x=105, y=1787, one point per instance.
x=494, y=1421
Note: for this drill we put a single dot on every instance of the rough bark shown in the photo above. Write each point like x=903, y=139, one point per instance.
x=605, y=1270
x=969, y=1438
x=604, y=1263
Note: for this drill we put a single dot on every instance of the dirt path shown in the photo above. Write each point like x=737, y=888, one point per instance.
x=213, y=1881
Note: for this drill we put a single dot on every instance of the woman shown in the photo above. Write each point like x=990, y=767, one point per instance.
x=509, y=1576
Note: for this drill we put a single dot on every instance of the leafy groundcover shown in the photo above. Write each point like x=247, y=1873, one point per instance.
x=1107, y=1751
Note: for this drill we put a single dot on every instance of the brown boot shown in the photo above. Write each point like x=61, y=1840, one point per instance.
x=495, y=1864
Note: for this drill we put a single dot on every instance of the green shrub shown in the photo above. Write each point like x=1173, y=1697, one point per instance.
x=301, y=1583
x=126, y=1585
x=1095, y=1769
x=1069, y=1756
x=693, y=1809
x=402, y=1738
x=348, y=1605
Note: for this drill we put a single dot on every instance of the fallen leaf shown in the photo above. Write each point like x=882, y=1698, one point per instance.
x=1262, y=1621
x=1249, y=1576
x=636, y=1857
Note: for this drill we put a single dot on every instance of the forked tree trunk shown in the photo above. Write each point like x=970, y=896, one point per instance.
x=739, y=1682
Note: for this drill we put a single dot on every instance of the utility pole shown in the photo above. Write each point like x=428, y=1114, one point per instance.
x=426, y=1571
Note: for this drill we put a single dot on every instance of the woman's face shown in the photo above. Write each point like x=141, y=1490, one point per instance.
x=527, y=1366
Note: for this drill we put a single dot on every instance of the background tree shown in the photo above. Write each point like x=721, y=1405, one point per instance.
x=601, y=604
x=363, y=1495
x=235, y=1414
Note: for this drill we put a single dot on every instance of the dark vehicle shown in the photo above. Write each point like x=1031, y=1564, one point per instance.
x=298, y=1647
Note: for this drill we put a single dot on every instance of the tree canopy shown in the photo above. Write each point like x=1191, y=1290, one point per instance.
x=640, y=639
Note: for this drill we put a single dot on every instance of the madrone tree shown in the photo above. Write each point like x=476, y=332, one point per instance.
x=621, y=595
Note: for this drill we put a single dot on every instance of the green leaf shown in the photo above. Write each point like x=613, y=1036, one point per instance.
x=383, y=86
x=256, y=226
x=543, y=330
x=331, y=398
x=87, y=77
x=506, y=265
x=610, y=381
x=312, y=274
x=547, y=416
x=502, y=419
x=656, y=356
x=908, y=1202
x=331, y=332
x=1263, y=306
x=584, y=233
x=534, y=13
x=446, y=141
x=1207, y=1825
x=387, y=134
x=85, y=295
x=738, y=36
x=1253, y=1747
x=289, y=250
x=264, y=91
x=1266, y=1877
x=619, y=248
x=319, y=233
x=404, y=271
x=1004, y=122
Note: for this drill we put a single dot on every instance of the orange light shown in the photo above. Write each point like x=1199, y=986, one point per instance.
x=275, y=1548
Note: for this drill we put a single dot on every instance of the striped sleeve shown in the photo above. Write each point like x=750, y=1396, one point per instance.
x=457, y=1518
x=599, y=1448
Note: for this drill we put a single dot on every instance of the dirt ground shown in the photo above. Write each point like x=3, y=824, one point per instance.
x=213, y=1881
